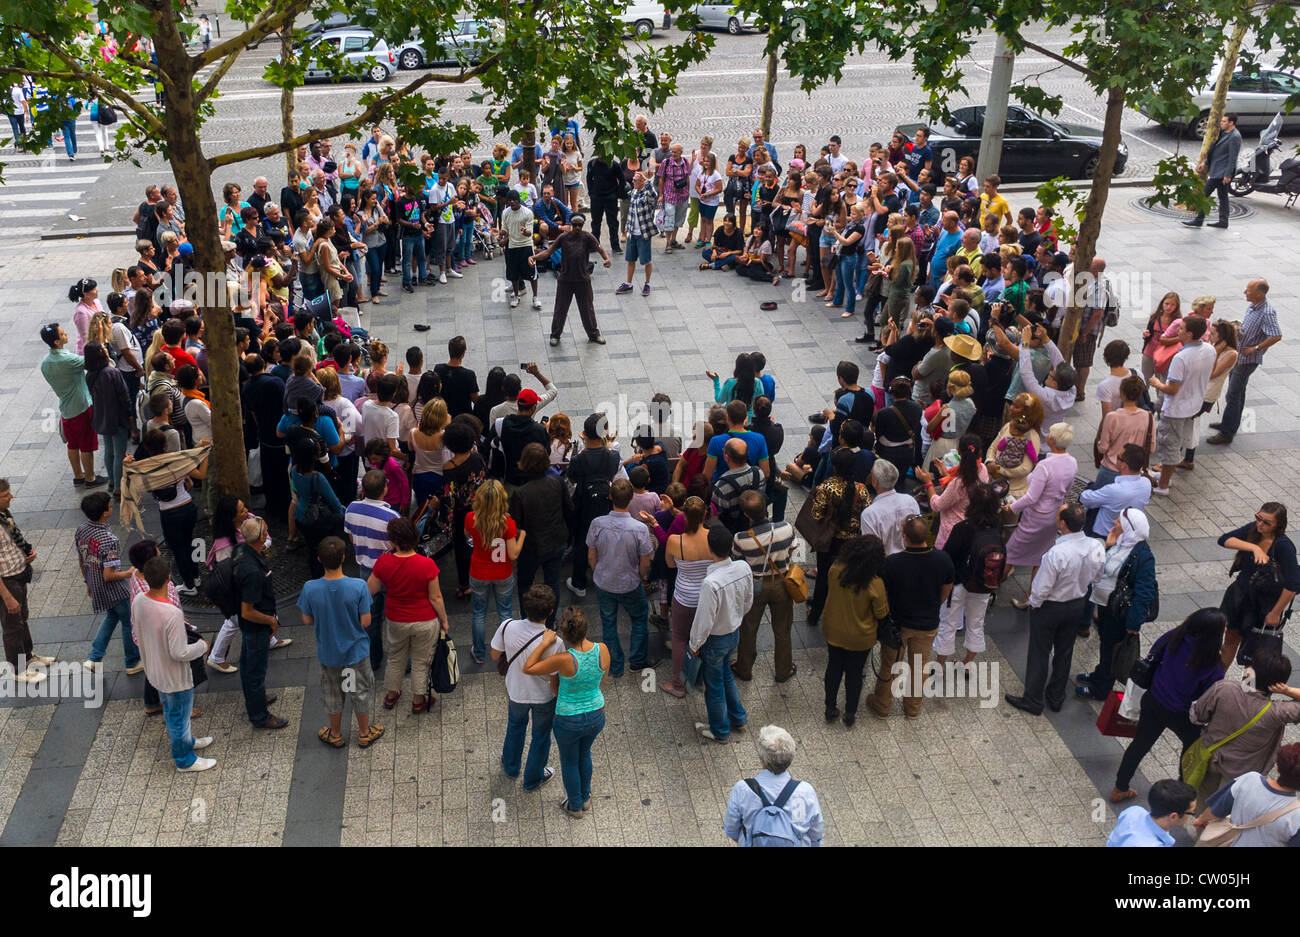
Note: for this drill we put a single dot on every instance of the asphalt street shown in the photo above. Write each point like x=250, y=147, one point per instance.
x=722, y=97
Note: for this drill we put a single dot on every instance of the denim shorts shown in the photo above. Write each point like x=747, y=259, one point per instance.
x=826, y=240
x=637, y=249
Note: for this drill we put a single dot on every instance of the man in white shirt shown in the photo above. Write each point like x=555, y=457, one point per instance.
x=1056, y=392
x=725, y=596
x=1056, y=601
x=517, y=229
x=378, y=418
x=773, y=785
x=1184, y=390
x=884, y=516
x=529, y=696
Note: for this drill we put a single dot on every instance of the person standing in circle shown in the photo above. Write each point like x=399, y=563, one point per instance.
x=575, y=246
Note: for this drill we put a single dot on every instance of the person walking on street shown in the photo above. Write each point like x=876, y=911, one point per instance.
x=1057, y=598
x=1259, y=332
x=575, y=246
x=725, y=595
x=1219, y=166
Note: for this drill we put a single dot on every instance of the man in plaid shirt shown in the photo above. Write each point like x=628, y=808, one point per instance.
x=640, y=229
x=100, y=556
x=1259, y=332
x=673, y=179
x=16, y=556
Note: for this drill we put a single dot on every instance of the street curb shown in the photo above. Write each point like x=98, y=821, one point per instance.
x=88, y=233
x=1077, y=184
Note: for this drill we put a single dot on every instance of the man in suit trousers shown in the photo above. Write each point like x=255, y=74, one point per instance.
x=1222, y=164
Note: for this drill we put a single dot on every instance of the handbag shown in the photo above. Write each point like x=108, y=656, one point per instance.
x=1111, y=722
x=818, y=533
x=255, y=468
x=1196, y=760
x=198, y=670
x=1121, y=597
x=793, y=579
x=444, y=672
x=1130, y=707
x=318, y=515
x=1163, y=355
x=503, y=664
x=1125, y=656
x=1223, y=832
x=889, y=633
x=1144, y=668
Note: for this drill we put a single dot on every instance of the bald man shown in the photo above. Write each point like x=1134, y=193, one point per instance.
x=1098, y=299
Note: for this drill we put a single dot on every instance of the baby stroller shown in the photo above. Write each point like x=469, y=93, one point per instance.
x=484, y=239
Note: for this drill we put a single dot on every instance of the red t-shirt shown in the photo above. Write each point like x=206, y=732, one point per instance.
x=485, y=563
x=406, y=586
x=179, y=355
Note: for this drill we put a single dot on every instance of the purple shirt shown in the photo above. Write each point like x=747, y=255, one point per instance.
x=1174, y=686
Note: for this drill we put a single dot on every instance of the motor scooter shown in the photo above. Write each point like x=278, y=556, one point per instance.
x=1260, y=178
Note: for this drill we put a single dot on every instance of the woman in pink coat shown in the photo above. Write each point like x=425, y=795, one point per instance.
x=952, y=501
x=1049, y=483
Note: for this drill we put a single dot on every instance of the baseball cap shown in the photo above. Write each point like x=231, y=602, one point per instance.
x=528, y=398
x=186, y=249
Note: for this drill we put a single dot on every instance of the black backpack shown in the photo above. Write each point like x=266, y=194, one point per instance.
x=1144, y=402
x=593, y=497
x=221, y=588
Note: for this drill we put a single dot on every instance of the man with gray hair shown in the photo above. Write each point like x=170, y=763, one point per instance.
x=884, y=516
x=738, y=478
x=173, y=198
x=755, y=808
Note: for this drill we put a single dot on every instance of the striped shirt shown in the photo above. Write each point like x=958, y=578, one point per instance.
x=1259, y=324
x=366, y=522
x=99, y=549
x=752, y=545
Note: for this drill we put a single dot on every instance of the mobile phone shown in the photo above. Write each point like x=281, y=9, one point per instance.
x=523, y=366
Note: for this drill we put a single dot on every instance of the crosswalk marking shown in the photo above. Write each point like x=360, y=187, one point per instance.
x=36, y=196
x=52, y=179
x=46, y=190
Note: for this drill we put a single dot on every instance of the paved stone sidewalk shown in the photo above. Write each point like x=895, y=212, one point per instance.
x=958, y=775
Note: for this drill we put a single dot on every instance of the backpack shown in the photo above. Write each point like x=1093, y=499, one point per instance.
x=593, y=499
x=1144, y=402
x=773, y=825
x=220, y=587
x=988, y=562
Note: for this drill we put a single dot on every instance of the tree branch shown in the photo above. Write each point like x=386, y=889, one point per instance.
x=262, y=27
x=123, y=97
x=372, y=111
x=215, y=78
x=1069, y=63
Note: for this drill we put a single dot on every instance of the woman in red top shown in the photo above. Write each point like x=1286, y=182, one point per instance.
x=413, y=606
x=495, y=543
x=692, y=461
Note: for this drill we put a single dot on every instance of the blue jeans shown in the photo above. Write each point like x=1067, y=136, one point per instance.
x=413, y=247
x=1235, y=399
x=253, y=653
x=17, y=125
x=846, y=275
x=464, y=243
x=502, y=591
x=70, y=137
x=114, y=452
x=721, y=697
x=375, y=268
x=119, y=613
x=176, y=715
x=543, y=715
x=638, y=609
x=707, y=256
x=573, y=737
x=312, y=285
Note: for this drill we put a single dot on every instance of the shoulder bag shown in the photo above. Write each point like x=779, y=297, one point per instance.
x=1144, y=669
x=1196, y=760
x=1121, y=597
x=1223, y=832
x=503, y=663
x=818, y=533
x=444, y=672
x=793, y=579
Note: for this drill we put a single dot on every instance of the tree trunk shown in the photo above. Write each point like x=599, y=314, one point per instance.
x=286, y=99
x=1221, y=90
x=229, y=468
x=769, y=91
x=1085, y=245
x=528, y=159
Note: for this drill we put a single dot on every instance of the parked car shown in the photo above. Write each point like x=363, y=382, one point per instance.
x=1034, y=147
x=640, y=19
x=726, y=16
x=468, y=44
x=1254, y=96
x=361, y=47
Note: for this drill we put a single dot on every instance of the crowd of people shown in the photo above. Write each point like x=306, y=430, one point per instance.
x=922, y=491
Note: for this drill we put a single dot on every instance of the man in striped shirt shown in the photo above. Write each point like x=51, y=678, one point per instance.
x=765, y=546
x=366, y=522
x=1259, y=332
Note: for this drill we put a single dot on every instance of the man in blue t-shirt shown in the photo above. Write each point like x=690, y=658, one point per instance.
x=756, y=454
x=919, y=155
x=947, y=244
x=338, y=609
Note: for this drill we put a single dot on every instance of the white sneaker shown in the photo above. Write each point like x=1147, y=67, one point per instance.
x=568, y=584
x=454, y=273
x=94, y=666
x=31, y=676
x=281, y=642
x=1157, y=490
x=706, y=732
x=203, y=742
x=537, y=303
x=188, y=591
x=200, y=764
x=442, y=277
x=514, y=301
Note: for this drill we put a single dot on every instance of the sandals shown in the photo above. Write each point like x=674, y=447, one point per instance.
x=366, y=739
x=390, y=699
x=420, y=704
x=326, y=735
x=704, y=266
x=673, y=689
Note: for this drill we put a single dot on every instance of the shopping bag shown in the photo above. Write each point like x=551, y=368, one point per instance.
x=1110, y=722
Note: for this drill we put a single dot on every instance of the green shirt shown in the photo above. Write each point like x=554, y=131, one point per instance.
x=66, y=373
x=1016, y=294
x=581, y=693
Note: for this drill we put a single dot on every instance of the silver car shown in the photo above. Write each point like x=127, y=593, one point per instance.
x=1253, y=96
x=471, y=41
x=725, y=16
x=360, y=47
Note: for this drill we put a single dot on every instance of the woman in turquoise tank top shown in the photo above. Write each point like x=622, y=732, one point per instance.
x=579, y=705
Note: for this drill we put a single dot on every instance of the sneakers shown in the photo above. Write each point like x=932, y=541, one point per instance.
x=188, y=591
x=442, y=277
x=623, y=288
x=706, y=732
x=1157, y=490
x=200, y=764
x=202, y=743
x=576, y=590
x=94, y=666
x=134, y=669
x=596, y=339
x=555, y=340
x=645, y=290
x=547, y=774
x=514, y=301
x=537, y=303
x=31, y=676
x=274, y=722
x=408, y=288
x=40, y=659
x=453, y=272
x=280, y=642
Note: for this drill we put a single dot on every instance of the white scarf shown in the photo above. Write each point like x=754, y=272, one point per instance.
x=1134, y=528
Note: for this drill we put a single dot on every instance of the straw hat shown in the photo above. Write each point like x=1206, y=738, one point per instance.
x=964, y=346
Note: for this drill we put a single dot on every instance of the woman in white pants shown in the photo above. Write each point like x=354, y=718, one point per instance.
x=978, y=554
x=226, y=520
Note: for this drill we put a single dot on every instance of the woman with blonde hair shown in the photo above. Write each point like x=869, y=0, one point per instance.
x=495, y=544
x=426, y=447
x=560, y=432
x=1015, y=451
x=349, y=418
x=952, y=419
x=898, y=277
